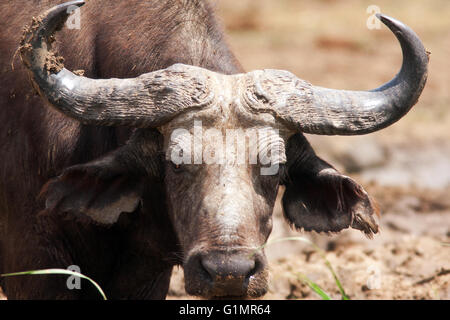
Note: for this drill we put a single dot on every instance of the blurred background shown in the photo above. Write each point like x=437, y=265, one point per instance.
x=405, y=167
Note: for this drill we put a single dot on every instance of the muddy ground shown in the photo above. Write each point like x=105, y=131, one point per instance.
x=405, y=167
x=409, y=259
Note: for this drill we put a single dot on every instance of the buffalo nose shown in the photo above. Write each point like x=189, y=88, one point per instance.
x=228, y=266
x=230, y=273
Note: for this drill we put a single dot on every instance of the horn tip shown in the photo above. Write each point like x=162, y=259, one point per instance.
x=390, y=22
x=384, y=18
x=56, y=16
x=79, y=3
x=64, y=9
x=68, y=5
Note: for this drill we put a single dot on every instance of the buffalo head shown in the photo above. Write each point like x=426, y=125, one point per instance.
x=221, y=145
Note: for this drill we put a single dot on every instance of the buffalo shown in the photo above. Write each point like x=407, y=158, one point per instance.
x=120, y=170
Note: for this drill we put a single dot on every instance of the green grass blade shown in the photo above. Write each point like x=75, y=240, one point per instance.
x=314, y=287
x=322, y=253
x=57, y=271
x=344, y=296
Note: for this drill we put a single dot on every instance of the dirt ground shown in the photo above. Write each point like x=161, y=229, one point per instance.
x=409, y=259
x=405, y=167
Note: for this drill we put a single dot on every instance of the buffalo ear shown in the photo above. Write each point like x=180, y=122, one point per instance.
x=319, y=198
x=100, y=192
x=104, y=188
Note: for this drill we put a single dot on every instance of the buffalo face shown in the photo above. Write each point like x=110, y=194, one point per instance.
x=220, y=197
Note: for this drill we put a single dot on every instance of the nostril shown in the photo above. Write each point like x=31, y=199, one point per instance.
x=258, y=266
x=249, y=268
x=222, y=273
x=230, y=266
x=209, y=267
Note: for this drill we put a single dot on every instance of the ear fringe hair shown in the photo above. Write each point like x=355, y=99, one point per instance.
x=319, y=198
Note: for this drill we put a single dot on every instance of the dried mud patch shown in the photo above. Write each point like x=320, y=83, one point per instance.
x=409, y=268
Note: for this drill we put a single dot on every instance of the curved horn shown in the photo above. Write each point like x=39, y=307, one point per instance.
x=149, y=100
x=318, y=110
x=359, y=112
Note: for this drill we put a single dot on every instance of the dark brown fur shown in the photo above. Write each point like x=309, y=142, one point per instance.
x=117, y=39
